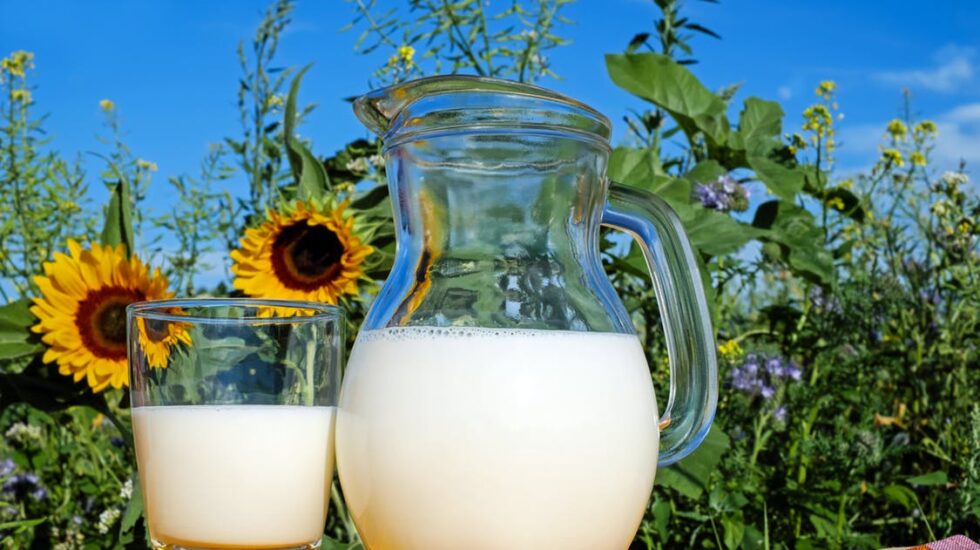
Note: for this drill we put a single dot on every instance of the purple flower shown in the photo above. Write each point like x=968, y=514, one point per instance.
x=780, y=413
x=767, y=391
x=792, y=371
x=710, y=197
x=23, y=485
x=723, y=194
x=7, y=467
x=759, y=374
x=774, y=366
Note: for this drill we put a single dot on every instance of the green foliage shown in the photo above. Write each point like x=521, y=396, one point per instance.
x=461, y=36
x=44, y=196
x=203, y=220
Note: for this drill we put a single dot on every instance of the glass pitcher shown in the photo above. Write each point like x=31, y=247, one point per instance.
x=497, y=395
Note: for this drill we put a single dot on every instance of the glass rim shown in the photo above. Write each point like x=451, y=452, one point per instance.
x=157, y=310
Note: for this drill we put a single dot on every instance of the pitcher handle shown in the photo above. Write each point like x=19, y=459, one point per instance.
x=684, y=313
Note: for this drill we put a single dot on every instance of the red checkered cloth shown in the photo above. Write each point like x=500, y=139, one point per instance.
x=958, y=542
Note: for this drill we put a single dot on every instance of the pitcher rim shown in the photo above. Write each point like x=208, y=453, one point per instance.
x=380, y=109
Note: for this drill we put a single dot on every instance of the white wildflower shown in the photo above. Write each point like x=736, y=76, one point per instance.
x=126, y=492
x=360, y=164
x=23, y=433
x=106, y=520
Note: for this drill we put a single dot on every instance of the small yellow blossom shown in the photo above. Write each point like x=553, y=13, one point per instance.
x=730, y=350
x=836, y=203
x=963, y=227
x=817, y=119
x=893, y=156
x=22, y=95
x=107, y=105
x=275, y=100
x=847, y=184
x=826, y=88
x=917, y=158
x=406, y=54
x=897, y=129
x=17, y=63
x=147, y=165
x=926, y=127
x=939, y=207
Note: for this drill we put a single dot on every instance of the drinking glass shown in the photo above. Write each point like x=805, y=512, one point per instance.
x=234, y=404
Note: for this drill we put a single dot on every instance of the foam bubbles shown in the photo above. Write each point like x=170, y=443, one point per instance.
x=439, y=333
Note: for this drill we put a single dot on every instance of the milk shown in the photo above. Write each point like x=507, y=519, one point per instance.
x=243, y=476
x=496, y=439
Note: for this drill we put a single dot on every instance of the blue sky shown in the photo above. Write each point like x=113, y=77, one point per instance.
x=172, y=71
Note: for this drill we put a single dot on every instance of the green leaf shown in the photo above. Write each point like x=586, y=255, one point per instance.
x=670, y=86
x=734, y=528
x=901, y=495
x=118, y=228
x=16, y=338
x=799, y=239
x=661, y=518
x=781, y=177
x=825, y=528
x=760, y=123
x=933, y=478
x=21, y=524
x=689, y=477
x=370, y=199
x=717, y=234
x=308, y=172
x=636, y=167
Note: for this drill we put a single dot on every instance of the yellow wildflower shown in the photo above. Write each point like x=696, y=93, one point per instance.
x=730, y=350
x=963, y=227
x=23, y=96
x=893, y=156
x=826, y=88
x=917, y=158
x=897, y=129
x=147, y=165
x=847, y=184
x=939, y=207
x=107, y=105
x=18, y=63
x=275, y=100
x=817, y=119
x=926, y=127
x=406, y=54
x=836, y=203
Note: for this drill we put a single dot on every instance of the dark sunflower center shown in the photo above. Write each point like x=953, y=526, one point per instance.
x=306, y=256
x=101, y=320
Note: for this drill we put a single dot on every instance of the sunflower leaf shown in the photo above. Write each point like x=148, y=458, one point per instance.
x=16, y=339
x=118, y=228
x=308, y=172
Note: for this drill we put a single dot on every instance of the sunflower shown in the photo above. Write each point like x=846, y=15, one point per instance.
x=305, y=252
x=82, y=312
x=157, y=337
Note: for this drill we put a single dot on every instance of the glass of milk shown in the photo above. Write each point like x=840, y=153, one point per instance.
x=234, y=403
